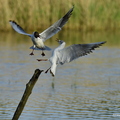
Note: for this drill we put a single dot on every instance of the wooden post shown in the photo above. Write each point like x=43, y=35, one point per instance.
x=27, y=92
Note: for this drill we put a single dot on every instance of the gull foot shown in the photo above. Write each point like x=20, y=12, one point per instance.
x=39, y=60
x=52, y=73
x=43, y=54
x=46, y=71
x=31, y=53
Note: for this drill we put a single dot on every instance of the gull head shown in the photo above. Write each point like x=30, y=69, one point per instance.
x=59, y=41
x=36, y=34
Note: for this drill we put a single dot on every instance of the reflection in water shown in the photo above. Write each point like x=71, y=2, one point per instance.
x=89, y=90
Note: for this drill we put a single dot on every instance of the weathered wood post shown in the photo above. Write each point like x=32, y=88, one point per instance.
x=27, y=92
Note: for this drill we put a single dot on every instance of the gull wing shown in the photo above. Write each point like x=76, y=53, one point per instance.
x=17, y=28
x=75, y=51
x=56, y=27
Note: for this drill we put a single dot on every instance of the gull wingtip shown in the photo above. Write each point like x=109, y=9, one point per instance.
x=73, y=5
x=104, y=42
x=10, y=20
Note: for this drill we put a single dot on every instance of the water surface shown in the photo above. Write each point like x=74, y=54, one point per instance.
x=87, y=88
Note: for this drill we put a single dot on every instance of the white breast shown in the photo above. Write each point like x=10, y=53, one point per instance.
x=38, y=42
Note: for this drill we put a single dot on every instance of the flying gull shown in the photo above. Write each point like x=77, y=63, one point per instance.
x=38, y=39
x=62, y=55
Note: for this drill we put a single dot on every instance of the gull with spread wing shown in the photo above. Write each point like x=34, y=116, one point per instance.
x=62, y=55
x=38, y=39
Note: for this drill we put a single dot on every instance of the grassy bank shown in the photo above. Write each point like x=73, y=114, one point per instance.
x=88, y=15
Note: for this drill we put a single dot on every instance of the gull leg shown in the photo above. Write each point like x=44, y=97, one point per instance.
x=42, y=59
x=51, y=73
x=32, y=52
x=47, y=70
x=43, y=54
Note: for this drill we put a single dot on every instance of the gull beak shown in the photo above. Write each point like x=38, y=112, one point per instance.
x=57, y=39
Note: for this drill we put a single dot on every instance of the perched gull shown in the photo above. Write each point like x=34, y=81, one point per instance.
x=38, y=39
x=62, y=55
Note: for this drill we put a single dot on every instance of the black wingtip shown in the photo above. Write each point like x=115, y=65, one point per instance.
x=71, y=10
x=99, y=44
x=102, y=43
x=12, y=21
x=73, y=6
x=91, y=47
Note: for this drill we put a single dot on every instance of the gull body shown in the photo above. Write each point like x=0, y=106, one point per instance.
x=54, y=59
x=38, y=39
x=63, y=55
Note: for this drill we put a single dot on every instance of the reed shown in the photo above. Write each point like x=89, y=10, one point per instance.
x=88, y=15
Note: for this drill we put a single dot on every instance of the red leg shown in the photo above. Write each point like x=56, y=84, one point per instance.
x=51, y=73
x=32, y=52
x=43, y=54
x=47, y=70
x=42, y=59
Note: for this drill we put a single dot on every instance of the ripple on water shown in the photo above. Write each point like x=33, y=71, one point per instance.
x=87, y=88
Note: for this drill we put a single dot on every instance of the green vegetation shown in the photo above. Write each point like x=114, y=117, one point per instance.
x=88, y=15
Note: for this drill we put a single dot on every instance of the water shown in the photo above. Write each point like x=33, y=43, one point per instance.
x=87, y=88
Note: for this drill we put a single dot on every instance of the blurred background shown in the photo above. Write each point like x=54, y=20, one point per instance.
x=87, y=88
x=88, y=15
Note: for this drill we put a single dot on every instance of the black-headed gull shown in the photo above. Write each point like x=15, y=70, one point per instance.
x=38, y=39
x=63, y=55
